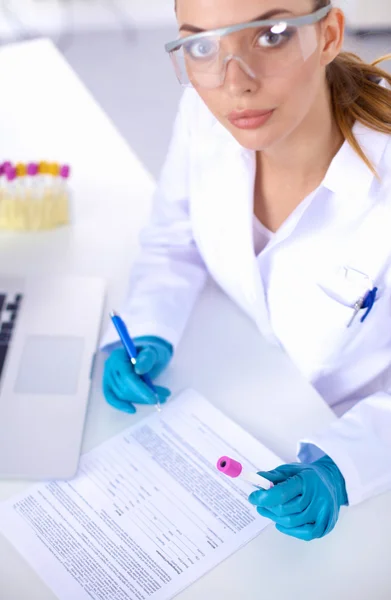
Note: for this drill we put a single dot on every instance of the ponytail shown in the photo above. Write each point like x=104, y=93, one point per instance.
x=357, y=96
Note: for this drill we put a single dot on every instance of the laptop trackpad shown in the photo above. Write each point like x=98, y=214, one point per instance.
x=50, y=365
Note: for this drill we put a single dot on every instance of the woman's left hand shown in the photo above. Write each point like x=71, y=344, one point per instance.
x=305, y=499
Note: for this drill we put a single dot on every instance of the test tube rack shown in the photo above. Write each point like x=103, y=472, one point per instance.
x=34, y=196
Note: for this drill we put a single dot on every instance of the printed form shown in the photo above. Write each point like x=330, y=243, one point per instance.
x=148, y=513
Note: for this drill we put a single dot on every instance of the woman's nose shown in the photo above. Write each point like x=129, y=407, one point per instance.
x=239, y=77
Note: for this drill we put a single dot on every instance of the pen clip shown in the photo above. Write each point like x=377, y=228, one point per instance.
x=356, y=309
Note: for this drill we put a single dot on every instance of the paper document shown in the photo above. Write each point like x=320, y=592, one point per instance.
x=148, y=512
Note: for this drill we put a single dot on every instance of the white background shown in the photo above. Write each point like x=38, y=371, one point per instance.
x=47, y=16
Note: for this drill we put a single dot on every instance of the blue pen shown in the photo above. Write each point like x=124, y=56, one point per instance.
x=131, y=350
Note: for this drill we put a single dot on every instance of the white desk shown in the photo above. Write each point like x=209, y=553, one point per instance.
x=264, y=393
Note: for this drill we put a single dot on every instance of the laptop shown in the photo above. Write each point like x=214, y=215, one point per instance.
x=49, y=331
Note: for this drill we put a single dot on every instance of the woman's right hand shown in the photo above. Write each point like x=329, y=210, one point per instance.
x=122, y=383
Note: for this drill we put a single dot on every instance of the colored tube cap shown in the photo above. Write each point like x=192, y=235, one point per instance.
x=11, y=174
x=229, y=466
x=54, y=169
x=43, y=168
x=65, y=171
x=32, y=169
x=21, y=169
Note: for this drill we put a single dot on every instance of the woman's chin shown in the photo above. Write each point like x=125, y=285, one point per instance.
x=254, y=140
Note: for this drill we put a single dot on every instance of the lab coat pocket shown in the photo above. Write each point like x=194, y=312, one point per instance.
x=344, y=325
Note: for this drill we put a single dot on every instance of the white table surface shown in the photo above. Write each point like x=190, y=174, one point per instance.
x=45, y=112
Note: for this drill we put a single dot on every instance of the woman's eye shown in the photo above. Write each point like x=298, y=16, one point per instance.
x=271, y=40
x=201, y=49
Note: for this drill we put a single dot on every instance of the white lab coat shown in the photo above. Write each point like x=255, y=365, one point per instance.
x=295, y=290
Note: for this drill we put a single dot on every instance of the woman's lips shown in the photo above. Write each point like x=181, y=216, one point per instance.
x=249, y=119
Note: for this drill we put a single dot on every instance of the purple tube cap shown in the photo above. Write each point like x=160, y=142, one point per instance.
x=6, y=166
x=65, y=171
x=32, y=169
x=11, y=174
x=229, y=466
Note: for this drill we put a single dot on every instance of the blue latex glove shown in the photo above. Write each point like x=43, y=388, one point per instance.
x=305, y=499
x=122, y=385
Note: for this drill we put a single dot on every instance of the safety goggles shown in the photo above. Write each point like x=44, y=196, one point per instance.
x=266, y=48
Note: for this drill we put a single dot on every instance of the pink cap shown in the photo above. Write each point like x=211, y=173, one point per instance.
x=11, y=174
x=65, y=171
x=32, y=169
x=6, y=166
x=229, y=466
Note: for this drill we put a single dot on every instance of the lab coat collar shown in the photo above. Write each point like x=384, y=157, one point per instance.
x=229, y=186
x=348, y=175
x=223, y=193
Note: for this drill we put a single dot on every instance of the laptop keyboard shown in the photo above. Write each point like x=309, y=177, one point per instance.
x=9, y=309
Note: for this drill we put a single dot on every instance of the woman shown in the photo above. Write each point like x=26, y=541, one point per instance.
x=277, y=183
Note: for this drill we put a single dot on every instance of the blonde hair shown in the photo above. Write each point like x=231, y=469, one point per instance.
x=357, y=96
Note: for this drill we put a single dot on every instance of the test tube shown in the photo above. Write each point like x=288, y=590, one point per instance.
x=64, y=195
x=44, y=177
x=34, y=196
x=3, y=176
x=20, y=202
x=31, y=180
x=234, y=469
x=21, y=174
x=10, y=200
x=2, y=195
x=51, y=204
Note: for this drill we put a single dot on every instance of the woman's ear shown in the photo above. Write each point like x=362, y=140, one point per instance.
x=332, y=37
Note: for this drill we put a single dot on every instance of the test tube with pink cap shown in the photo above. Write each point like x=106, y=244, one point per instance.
x=9, y=208
x=233, y=468
x=11, y=178
x=31, y=180
x=3, y=180
x=64, y=174
x=4, y=168
x=64, y=194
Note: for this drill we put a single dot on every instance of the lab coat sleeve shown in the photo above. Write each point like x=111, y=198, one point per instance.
x=169, y=273
x=360, y=444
